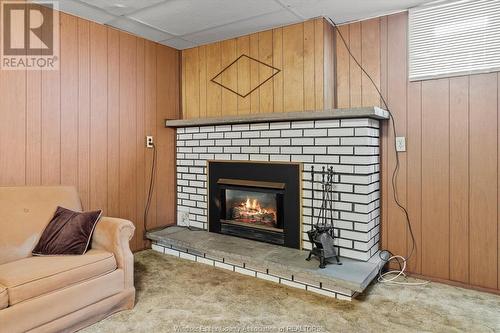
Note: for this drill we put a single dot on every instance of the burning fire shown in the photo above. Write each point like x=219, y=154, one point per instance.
x=253, y=205
x=250, y=211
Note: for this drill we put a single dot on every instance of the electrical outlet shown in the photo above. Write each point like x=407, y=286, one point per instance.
x=183, y=218
x=400, y=143
x=149, y=141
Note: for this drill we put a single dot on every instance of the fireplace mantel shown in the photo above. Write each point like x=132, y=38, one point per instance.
x=365, y=112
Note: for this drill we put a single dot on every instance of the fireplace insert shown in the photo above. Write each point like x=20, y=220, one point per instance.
x=258, y=201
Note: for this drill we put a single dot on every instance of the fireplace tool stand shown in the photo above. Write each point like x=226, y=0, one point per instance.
x=321, y=234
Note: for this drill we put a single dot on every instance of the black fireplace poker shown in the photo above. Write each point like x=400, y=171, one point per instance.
x=322, y=234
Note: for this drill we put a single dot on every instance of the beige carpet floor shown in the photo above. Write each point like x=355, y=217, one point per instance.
x=175, y=295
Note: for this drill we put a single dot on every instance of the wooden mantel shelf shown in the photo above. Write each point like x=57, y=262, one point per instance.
x=365, y=112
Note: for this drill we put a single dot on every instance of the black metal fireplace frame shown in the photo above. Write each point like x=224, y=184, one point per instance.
x=289, y=174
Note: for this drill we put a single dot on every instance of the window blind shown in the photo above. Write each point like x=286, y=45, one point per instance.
x=454, y=38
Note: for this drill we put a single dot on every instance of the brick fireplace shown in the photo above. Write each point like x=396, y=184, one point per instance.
x=350, y=145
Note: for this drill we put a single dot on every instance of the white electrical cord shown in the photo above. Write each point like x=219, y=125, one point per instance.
x=388, y=279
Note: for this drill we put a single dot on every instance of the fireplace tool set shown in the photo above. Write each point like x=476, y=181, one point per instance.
x=321, y=234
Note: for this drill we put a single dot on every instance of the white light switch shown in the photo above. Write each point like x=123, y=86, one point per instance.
x=149, y=141
x=400, y=143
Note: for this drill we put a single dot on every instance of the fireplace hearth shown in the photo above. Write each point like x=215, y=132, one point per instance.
x=259, y=201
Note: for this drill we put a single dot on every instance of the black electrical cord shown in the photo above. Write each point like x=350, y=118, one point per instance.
x=396, y=168
x=150, y=191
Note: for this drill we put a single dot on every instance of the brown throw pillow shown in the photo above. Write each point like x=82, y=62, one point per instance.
x=68, y=232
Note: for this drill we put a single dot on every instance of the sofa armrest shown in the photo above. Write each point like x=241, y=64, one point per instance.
x=113, y=235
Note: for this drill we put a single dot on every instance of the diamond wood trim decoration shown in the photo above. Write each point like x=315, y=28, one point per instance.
x=274, y=69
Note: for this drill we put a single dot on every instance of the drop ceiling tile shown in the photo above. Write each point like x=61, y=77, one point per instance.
x=264, y=22
x=81, y=10
x=178, y=43
x=139, y=29
x=345, y=11
x=181, y=17
x=121, y=7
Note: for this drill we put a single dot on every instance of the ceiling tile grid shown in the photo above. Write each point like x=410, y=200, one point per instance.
x=184, y=24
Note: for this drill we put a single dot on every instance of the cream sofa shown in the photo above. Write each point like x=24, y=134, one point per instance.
x=59, y=293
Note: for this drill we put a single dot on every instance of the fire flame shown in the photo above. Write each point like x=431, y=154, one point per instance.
x=252, y=204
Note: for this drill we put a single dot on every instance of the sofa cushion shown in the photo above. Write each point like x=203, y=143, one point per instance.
x=24, y=213
x=4, y=297
x=34, y=276
x=68, y=232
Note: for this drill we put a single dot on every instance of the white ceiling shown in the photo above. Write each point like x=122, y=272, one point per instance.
x=186, y=23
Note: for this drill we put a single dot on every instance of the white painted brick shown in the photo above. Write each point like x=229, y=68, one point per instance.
x=207, y=156
x=366, y=150
x=200, y=136
x=200, y=149
x=358, y=141
x=172, y=252
x=322, y=291
x=327, y=141
x=202, y=191
x=241, y=157
x=269, y=150
x=180, y=130
x=314, y=150
x=222, y=156
x=251, y=134
x=268, y=277
x=259, y=157
x=245, y=271
x=206, y=143
x=184, y=136
x=215, y=149
x=290, y=150
x=341, y=132
x=356, y=179
x=216, y=135
x=365, y=169
x=303, y=124
x=232, y=135
x=223, y=265
x=291, y=133
x=184, y=149
x=366, y=132
x=293, y=284
x=316, y=132
x=356, y=122
x=330, y=159
x=241, y=127
x=259, y=142
x=341, y=150
x=355, y=217
x=356, y=198
x=225, y=142
x=359, y=236
x=185, y=162
x=259, y=126
x=270, y=134
x=279, y=142
x=191, y=143
x=359, y=159
x=240, y=142
x=302, y=158
x=250, y=150
x=365, y=256
x=157, y=248
x=207, y=129
x=279, y=125
x=280, y=158
x=232, y=149
x=187, y=256
x=328, y=123
x=303, y=141
x=223, y=128
x=197, y=170
x=205, y=261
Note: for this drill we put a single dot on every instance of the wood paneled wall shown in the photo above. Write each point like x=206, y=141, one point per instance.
x=85, y=124
x=303, y=52
x=448, y=177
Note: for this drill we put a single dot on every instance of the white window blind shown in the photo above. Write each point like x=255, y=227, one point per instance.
x=454, y=38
